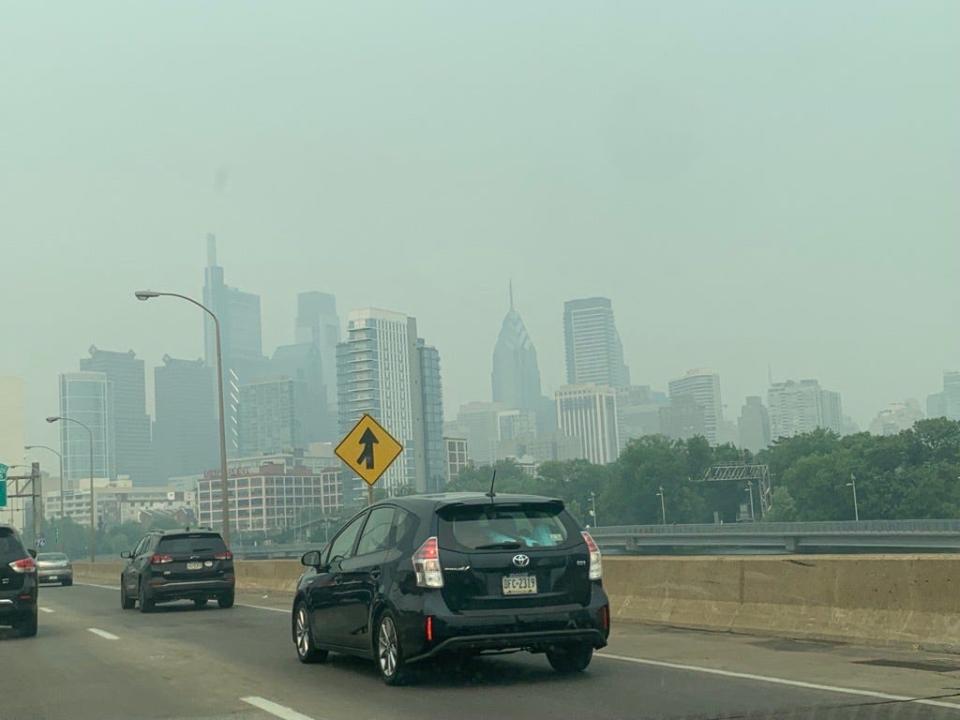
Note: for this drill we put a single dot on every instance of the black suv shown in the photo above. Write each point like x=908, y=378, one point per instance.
x=18, y=584
x=190, y=564
x=459, y=573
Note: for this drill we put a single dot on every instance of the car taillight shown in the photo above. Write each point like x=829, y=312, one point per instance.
x=596, y=562
x=428, y=628
x=605, y=617
x=158, y=559
x=26, y=565
x=227, y=555
x=426, y=564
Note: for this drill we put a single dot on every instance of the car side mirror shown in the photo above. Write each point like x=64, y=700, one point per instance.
x=126, y=554
x=311, y=558
x=33, y=553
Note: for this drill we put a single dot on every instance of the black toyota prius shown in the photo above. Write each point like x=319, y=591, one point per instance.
x=415, y=577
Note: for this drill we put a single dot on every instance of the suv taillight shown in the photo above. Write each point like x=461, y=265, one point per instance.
x=596, y=561
x=226, y=555
x=426, y=564
x=25, y=565
x=158, y=559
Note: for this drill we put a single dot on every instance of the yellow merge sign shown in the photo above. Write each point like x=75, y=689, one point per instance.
x=368, y=449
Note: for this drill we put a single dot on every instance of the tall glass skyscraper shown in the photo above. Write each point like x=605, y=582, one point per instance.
x=703, y=387
x=319, y=325
x=516, y=374
x=593, y=348
x=88, y=398
x=185, y=439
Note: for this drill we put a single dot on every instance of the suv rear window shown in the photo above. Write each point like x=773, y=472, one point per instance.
x=191, y=544
x=493, y=527
x=10, y=546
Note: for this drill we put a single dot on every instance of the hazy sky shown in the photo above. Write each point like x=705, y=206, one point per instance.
x=751, y=182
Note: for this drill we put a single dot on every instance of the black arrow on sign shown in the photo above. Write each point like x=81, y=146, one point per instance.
x=368, y=440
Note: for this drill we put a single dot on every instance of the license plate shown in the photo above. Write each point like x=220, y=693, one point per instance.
x=53, y=577
x=194, y=566
x=519, y=584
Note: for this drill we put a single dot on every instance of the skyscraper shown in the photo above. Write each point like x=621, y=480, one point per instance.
x=432, y=404
x=802, y=407
x=704, y=387
x=303, y=362
x=185, y=438
x=383, y=370
x=87, y=397
x=946, y=403
x=589, y=412
x=240, y=339
x=319, y=324
x=272, y=416
x=593, y=347
x=126, y=375
x=754, y=425
x=516, y=375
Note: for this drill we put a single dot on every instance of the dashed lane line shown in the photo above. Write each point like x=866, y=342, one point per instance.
x=103, y=633
x=46, y=610
x=275, y=709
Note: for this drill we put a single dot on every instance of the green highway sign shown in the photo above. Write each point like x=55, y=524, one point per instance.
x=3, y=485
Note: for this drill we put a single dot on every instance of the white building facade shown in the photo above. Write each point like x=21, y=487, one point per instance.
x=588, y=412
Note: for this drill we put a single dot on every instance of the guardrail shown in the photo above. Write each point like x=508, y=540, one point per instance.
x=850, y=536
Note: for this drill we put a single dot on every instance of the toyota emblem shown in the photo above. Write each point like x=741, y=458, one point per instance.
x=521, y=560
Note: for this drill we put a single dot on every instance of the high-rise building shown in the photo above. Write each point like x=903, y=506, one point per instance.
x=638, y=413
x=478, y=422
x=127, y=377
x=456, y=449
x=382, y=370
x=801, y=407
x=272, y=416
x=754, y=425
x=88, y=398
x=896, y=417
x=683, y=418
x=589, y=412
x=319, y=325
x=240, y=339
x=303, y=362
x=704, y=387
x=185, y=437
x=593, y=347
x=516, y=375
x=946, y=403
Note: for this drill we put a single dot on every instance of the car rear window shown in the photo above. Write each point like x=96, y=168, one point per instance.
x=493, y=527
x=10, y=546
x=192, y=544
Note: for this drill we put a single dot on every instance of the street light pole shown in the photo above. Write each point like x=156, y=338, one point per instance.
x=593, y=508
x=663, y=506
x=750, y=490
x=853, y=485
x=224, y=495
x=93, y=500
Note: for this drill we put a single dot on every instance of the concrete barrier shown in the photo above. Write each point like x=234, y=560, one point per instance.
x=909, y=600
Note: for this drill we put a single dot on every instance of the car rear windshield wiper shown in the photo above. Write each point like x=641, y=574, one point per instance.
x=509, y=545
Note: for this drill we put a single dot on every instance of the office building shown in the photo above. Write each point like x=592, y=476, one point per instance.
x=456, y=449
x=516, y=375
x=384, y=371
x=88, y=398
x=683, y=418
x=318, y=324
x=272, y=414
x=638, y=412
x=594, y=352
x=240, y=339
x=120, y=501
x=185, y=433
x=588, y=412
x=303, y=363
x=946, y=403
x=478, y=422
x=543, y=447
x=126, y=374
x=703, y=386
x=896, y=417
x=801, y=407
x=754, y=425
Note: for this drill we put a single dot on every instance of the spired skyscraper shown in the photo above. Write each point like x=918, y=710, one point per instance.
x=240, y=339
x=593, y=347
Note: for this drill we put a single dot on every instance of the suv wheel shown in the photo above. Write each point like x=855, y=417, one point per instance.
x=146, y=602
x=226, y=600
x=389, y=653
x=127, y=603
x=27, y=627
x=303, y=637
x=570, y=658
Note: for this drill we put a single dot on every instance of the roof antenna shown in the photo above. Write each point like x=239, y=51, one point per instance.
x=492, y=494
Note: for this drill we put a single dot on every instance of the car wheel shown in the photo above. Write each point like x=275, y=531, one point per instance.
x=67, y=583
x=389, y=651
x=570, y=658
x=307, y=652
x=226, y=600
x=146, y=602
x=27, y=627
x=127, y=603
x=199, y=603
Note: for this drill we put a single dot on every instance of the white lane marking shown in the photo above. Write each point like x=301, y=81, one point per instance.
x=103, y=633
x=103, y=587
x=780, y=681
x=46, y=610
x=273, y=708
x=264, y=607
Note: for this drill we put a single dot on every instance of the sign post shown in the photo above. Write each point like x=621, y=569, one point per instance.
x=368, y=449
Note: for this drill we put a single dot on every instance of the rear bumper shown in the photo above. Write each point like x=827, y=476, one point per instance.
x=186, y=589
x=535, y=641
x=14, y=605
x=54, y=575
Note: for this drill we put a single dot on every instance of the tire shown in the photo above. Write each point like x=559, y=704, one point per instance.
x=67, y=583
x=307, y=652
x=388, y=652
x=226, y=600
x=27, y=627
x=127, y=603
x=199, y=603
x=570, y=658
x=146, y=602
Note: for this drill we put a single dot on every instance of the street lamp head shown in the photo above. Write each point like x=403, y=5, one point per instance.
x=53, y=418
x=146, y=294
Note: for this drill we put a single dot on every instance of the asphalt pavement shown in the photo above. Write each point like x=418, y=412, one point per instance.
x=94, y=661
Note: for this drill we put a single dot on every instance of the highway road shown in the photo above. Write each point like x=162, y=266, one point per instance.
x=93, y=661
